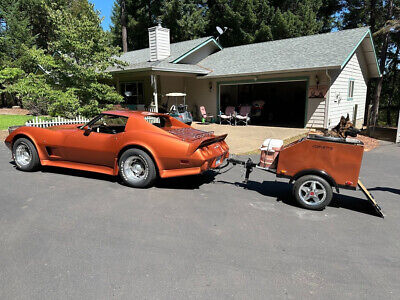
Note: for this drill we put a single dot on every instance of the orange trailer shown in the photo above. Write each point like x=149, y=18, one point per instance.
x=317, y=165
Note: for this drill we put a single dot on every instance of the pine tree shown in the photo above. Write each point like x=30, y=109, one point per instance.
x=140, y=15
x=186, y=19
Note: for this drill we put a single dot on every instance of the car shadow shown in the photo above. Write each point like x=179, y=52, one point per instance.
x=192, y=182
x=181, y=183
x=282, y=191
x=79, y=173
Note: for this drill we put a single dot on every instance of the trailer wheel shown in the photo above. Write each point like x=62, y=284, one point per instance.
x=312, y=192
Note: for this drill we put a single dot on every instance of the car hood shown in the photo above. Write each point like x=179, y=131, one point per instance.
x=65, y=127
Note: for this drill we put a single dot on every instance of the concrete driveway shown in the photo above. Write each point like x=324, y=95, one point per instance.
x=67, y=234
x=244, y=139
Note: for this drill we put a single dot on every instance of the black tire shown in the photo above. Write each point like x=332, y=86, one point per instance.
x=137, y=168
x=189, y=123
x=31, y=161
x=312, y=192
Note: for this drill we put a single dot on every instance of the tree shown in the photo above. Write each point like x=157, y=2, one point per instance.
x=248, y=21
x=186, y=19
x=383, y=19
x=123, y=27
x=382, y=66
x=140, y=15
x=64, y=73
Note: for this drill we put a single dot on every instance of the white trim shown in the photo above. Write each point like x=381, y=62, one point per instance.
x=268, y=72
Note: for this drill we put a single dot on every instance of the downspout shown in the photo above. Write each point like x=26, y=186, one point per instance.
x=326, y=125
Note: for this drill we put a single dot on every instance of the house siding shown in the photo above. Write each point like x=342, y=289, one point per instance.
x=339, y=104
x=316, y=112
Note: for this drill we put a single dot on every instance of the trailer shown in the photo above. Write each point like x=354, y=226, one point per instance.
x=316, y=165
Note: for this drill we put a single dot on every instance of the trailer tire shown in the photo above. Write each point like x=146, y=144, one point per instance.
x=312, y=192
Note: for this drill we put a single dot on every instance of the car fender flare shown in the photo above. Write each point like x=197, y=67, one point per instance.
x=32, y=139
x=145, y=148
x=317, y=172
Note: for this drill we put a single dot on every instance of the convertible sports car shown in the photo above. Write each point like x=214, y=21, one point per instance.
x=139, y=146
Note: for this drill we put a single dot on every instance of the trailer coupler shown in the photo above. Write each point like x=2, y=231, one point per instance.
x=248, y=164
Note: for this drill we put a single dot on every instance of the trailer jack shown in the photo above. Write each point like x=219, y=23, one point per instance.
x=249, y=165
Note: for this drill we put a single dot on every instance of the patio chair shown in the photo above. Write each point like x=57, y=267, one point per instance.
x=228, y=116
x=204, y=114
x=244, y=115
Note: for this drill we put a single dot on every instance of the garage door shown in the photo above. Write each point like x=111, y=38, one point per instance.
x=273, y=103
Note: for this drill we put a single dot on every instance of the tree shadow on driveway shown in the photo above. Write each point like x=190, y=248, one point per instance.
x=282, y=191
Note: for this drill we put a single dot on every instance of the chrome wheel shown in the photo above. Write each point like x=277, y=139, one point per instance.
x=135, y=168
x=23, y=155
x=312, y=192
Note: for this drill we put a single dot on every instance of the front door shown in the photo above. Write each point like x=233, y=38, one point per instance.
x=100, y=145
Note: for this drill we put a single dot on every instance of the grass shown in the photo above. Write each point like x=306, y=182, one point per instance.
x=11, y=120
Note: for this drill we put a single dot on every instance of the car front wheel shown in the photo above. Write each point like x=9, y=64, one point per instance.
x=25, y=155
x=137, y=168
x=312, y=192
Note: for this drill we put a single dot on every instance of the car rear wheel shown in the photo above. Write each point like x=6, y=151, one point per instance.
x=137, y=168
x=25, y=155
x=312, y=192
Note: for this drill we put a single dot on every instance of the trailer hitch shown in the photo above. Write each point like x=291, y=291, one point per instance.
x=248, y=164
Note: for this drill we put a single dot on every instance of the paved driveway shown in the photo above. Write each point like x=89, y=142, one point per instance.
x=245, y=139
x=67, y=234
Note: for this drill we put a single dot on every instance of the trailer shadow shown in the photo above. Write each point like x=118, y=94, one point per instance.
x=385, y=189
x=282, y=191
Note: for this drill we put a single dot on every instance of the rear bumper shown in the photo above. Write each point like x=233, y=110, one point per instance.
x=207, y=165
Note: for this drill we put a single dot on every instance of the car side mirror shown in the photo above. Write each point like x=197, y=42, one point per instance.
x=87, y=131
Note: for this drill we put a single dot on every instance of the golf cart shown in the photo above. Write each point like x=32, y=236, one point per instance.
x=179, y=111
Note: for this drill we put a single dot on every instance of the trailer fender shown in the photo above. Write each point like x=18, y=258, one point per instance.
x=316, y=172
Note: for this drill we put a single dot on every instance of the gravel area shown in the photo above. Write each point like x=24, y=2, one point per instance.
x=13, y=111
x=3, y=134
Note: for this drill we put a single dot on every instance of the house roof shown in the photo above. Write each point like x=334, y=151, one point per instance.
x=330, y=50
x=138, y=60
x=321, y=51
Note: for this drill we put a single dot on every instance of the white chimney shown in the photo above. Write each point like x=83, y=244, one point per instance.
x=159, y=43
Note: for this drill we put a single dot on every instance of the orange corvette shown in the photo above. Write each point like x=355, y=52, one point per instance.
x=138, y=146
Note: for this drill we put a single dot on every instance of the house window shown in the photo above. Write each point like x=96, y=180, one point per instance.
x=133, y=92
x=350, y=92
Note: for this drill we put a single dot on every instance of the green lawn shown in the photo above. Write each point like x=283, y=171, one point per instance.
x=10, y=120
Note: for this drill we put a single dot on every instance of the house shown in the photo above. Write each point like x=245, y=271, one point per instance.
x=308, y=81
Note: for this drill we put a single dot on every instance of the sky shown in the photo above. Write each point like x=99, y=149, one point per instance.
x=105, y=8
